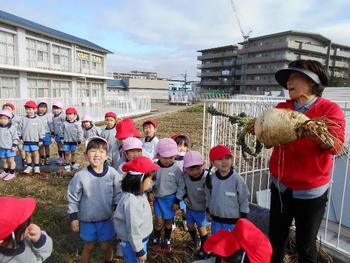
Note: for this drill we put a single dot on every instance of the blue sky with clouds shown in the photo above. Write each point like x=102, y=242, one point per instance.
x=164, y=35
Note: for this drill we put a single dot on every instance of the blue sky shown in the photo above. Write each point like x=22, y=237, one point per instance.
x=164, y=35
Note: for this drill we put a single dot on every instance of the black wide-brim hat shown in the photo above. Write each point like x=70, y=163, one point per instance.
x=282, y=75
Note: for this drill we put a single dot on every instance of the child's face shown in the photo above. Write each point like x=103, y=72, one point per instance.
x=182, y=148
x=42, y=109
x=4, y=120
x=29, y=111
x=110, y=122
x=7, y=108
x=71, y=116
x=167, y=161
x=146, y=184
x=96, y=157
x=149, y=130
x=195, y=171
x=86, y=124
x=224, y=165
x=133, y=154
x=56, y=110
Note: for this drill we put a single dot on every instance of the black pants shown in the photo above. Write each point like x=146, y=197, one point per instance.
x=308, y=214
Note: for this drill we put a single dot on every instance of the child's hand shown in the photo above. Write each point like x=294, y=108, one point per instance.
x=34, y=232
x=14, y=149
x=75, y=225
x=62, y=141
x=208, y=217
x=151, y=198
x=175, y=207
x=40, y=143
x=142, y=259
x=187, y=201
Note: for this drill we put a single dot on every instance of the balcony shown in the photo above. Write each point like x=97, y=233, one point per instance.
x=259, y=82
x=341, y=64
x=341, y=53
x=210, y=83
x=211, y=65
x=259, y=71
x=226, y=54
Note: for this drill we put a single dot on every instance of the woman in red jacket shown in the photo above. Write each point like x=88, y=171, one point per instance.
x=301, y=169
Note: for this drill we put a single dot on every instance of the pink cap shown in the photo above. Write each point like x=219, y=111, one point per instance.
x=42, y=102
x=166, y=147
x=6, y=113
x=131, y=143
x=57, y=104
x=193, y=158
x=87, y=117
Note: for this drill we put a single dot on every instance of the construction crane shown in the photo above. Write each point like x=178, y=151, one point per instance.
x=245, y=36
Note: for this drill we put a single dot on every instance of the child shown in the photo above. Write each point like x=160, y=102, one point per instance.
x=32, y=133
x=8, y=106
x=149, y=143
x=109, y=132
x=8, y=145
x=46, y=118
x=57, y=122
x=89, y=129
x=195, y=177
x=132, y=148
x=20, y=240
x=226, y=192
x=93, y=192
x=183, y=143
x=124, y=129
x=228, y=246
x=168, y=190
x=72, y=136
x=133, y=216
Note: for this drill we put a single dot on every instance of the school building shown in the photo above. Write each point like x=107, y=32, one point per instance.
x=40, y=62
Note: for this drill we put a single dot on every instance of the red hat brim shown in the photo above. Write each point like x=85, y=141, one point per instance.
x=141, y=164
x=222, y=243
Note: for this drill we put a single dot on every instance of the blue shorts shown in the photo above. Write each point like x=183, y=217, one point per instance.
x=47, y=139
x=216, y=226
x=196, y=217
x=69, y=147
x=163, y=206
x=99, y=231
x=30, y=147
x=6, y=153
x=58, y=139
x=129, y=254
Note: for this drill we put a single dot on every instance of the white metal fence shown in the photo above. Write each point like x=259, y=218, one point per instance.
x=335, y=229
x=122, y=105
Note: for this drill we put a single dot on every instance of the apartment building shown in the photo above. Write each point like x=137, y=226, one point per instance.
x=218, y=68
x=259, y=58
x=38, y=61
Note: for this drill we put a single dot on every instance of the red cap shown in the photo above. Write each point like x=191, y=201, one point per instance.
x=174, y=136
x=30, y=104
x=222, y=243
x=9, y=104
x=218, y=152
x=140, y=164
x=150, y=121
x=126, y=128
x=14, y=212
x=111, y=115
x=253, y=241
x=71, y=110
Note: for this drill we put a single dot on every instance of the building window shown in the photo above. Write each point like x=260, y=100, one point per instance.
x=7, y=48
x=97, y=65
x=96, y=90
x=83, y=89
x=37, y=53
x=61, y=89
x=61, y=58
x=83, y=62
x=8, y=87
x=39, y=88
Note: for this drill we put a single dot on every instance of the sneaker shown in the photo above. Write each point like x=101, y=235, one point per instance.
x=28, y=170
x=167, y=247
x=47, y=161
x=67, y=168
x=76, y=166
x=3, y=175
x=156, y=245
x=36, y=169
x=9, y=177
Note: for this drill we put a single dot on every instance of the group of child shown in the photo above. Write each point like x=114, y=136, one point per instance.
x=112, y=197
